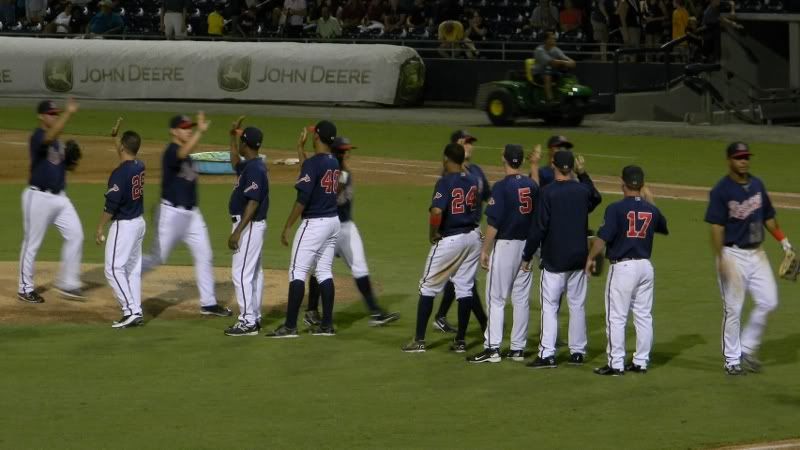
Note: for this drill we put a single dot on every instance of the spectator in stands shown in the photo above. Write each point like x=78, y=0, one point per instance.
x=8, y=12
x=570, y=18
x=63, y=21
x=246, y=25
x=550, y=63
x=417, y=18
x=712, y=24
x=374, y=18
x=295, y=11
x=544, y=17
x=328, y=27
x=106, y=21
x=680, y=22
x=393, y=17
x=352, y=14
x=34, y=10
x=477, y=30
x=173, y=18
x=653, y=14
x=216, y=21
x=600, y=21
x=333, y=8
x=630, y=27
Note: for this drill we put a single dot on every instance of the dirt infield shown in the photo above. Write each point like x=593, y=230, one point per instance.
x=168, y=292
x=793, y=444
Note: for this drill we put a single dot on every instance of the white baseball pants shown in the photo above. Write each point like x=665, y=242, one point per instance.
x=629, y=287
x=749, y=270
x=123, y=268
x=174, y=225
x=246, y=272
x=553, y=284
x=351, y=249
x=39, y=210
x=313, y=248
x=452, y=258
x=503, y=280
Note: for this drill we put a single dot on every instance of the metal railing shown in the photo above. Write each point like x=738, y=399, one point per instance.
x=669, y=59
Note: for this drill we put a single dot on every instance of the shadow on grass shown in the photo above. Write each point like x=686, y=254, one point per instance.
x=782, y=351
x=667, y=351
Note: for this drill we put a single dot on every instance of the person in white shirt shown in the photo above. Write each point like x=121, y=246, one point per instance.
x=64, y=19
x=295, y=11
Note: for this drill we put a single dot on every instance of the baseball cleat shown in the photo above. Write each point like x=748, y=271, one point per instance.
x=133, y=320
x=488, y=355
x=312, y=318
x=750, y=363
x=30, y=297
x=414, y=347
x=443, y=325
x=215, y=310
x=734, y=369
x=609, y=371
x=515, y=355
x=241, y=329
x=323, y=331
x=458, y=346
x=283, y=332
x=576, y=359
x=543, y=363
x=381, y=319
x=72, y=294
x=631, y=367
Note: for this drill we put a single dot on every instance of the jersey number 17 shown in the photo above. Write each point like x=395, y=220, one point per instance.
x=645, y=217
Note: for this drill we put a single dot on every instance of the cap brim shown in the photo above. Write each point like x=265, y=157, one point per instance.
x=186, y=125
x=741, y=153
x=51, y=112
x=561, y=144
x=345, y=147
x=470, y=139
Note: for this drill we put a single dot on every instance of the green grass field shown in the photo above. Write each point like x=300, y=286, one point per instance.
x=182, y=384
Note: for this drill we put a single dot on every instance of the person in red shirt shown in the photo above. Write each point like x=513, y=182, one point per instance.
x=570, y=17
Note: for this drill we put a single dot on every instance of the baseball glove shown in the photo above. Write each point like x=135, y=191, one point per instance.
x=72, y=154
x=790, y=266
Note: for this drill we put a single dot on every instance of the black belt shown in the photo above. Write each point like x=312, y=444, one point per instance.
x=745, y=247
x=169, y=203
x=614, y=261
x=235, y=219
x=49, y=191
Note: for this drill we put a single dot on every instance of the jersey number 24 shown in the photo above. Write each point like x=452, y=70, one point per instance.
x=457, y=204
x=633, y=217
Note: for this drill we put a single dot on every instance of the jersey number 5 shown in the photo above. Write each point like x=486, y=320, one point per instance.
x=137, y=184
x=526, y=204
x=457, y=204
x=633, y=216
x=330, y=181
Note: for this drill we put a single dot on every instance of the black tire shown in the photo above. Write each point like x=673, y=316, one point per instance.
x=574, y=112
x=500, y=108
x=553, y=120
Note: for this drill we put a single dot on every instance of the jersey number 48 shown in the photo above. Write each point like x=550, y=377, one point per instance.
x=330, y=181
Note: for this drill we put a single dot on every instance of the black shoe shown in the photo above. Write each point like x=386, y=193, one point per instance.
x=490, y=355
x=283, y=332
x=631, y=367
x=378, y=320
x=576, y=359
x=312, y=318
x=30, y=297
x=71, y=294
x=322, y=330
x=458, y=346
x=443, y=325
x=133, y=320
x=735, y=370
x=414, y=346
x=750, y=363
x=515, y=355
x=543, y=363
x=215, y=310
x=609, y=371
x=242, y=329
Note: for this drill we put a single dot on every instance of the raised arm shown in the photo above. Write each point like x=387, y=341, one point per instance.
x=235, y=132
x=53, y=132
x=188, y=146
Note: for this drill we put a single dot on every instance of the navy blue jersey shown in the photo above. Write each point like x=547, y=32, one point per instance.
x=742, y=209
x=560, y=223
x=251, y=184
x=345, y=196
x=456, y=194
x=484, y=190
x=178, y=179
x=48, y=171
x=510, y=209
x=318, y=185
x=125, y=194
x=546, y=176
x=628, y=228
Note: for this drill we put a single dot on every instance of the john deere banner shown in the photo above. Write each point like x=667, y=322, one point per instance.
x=111, y=69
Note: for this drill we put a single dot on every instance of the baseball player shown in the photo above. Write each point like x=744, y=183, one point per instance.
x=628, y=230
x=739, y=209
x=248, y=207
x=177, y=217
x=315, y=240
x=45, y=202
x=123, y=208
x=509, y=217
x=559, y=226
x=454, y=255
x=545, y=175
x=348, y=245
x=465, y=139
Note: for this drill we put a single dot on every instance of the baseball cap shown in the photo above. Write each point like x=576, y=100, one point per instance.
x=47, y=107
x=342, y=144
x=326, y=131
x=462, y=134
x=183, y=122
x=738, y=149
x=252, y=137
x=513, y=154
x=633, y=176
x=558, y=142
x=564, y=160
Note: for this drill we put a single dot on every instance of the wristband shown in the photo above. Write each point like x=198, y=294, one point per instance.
x=777, y=233
x=435, y=220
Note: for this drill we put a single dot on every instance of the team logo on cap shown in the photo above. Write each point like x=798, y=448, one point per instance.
x=57, y=74
x=233, y=74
